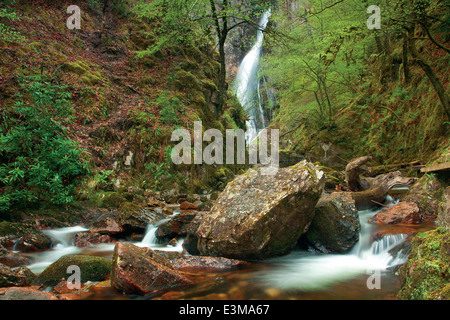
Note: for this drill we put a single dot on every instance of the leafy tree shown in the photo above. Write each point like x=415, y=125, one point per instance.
x=39, y=161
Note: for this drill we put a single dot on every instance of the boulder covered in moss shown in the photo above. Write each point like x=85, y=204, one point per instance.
x=336, y=226
x=91, y=269
x=426, y=193
x=134, y=217
x=426, y=275
x=260, y=216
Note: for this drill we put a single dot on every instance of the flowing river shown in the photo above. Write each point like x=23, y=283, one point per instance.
x=366, y=272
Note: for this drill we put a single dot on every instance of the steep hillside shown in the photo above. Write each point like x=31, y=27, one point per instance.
x=126, y=100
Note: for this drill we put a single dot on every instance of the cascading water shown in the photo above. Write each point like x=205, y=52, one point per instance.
x=307, y=271
x=247, y=84
x=62, y=240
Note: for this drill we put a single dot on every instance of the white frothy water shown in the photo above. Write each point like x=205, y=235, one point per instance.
x=247, y=86
x=308, y=271
x=62, y=245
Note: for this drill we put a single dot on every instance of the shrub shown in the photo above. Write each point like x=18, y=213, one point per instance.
x=38, y=161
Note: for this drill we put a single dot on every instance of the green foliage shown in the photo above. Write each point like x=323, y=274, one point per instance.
x=39, y=162
x=171, y=108
x=7, y=33
x=176, y=23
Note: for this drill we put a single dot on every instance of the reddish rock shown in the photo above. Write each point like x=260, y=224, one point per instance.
x=401, y=213
x=19, y=277
x=188, y=206
x=152, y=202
x=12, y=259
x=142, y=271
x=86, y=239
x=210, y=263
x=107, y=225
x=28, y=293
x=32, y=243
x=177, y=226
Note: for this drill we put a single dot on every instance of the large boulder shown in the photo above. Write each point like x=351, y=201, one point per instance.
x=142, y=271
x=260, y=216
x=336, y=226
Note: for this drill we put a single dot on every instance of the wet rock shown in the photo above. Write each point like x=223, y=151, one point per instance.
x=17, y=277
x=190, y=243
x=107, y=225
x=17, y=293
x=32, y=243
x=91, y=268
x=12, y=259
x=177, y=226
x=401, y=213
x=210, y=263
x=444, y=210
x=133, y=217
x=142, y=271
x=87, y=239
x=154, y=203
x=188, y=206
x=336, y=226
x=259, y=216
x=426, y=193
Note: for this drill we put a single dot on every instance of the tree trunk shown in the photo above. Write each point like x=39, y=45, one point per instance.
x=352, y=172
x=432, y=76
x=379, y=188
x=406, y=71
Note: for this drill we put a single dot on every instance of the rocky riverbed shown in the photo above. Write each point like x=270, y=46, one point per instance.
x=204, y=246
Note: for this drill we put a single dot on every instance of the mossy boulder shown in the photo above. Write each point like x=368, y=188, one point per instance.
x=92, y=269
x=426, y=275
x=112, y=200
x=135, y=217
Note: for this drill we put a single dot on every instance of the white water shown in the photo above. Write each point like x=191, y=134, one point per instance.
x=247, y=88
x=308, y=271
x=62, y=240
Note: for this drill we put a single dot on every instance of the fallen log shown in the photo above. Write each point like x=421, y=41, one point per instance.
x=378, y=188
x=352, y=174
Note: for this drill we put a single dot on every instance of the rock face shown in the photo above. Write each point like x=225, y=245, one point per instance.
x=401, y=213
x=336, y=226
x=142, y=271
x=260, y=216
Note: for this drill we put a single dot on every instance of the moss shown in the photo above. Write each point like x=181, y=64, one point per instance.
x=112, y=200
x=12, y=228
x=83, y=70
x=92, y=269
x=185, y=80
x=426, y=274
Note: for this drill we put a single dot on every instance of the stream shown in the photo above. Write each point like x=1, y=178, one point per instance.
x=303, y=274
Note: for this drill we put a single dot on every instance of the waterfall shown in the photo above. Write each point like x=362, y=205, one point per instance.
x=247, y=84
x=309, y=271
